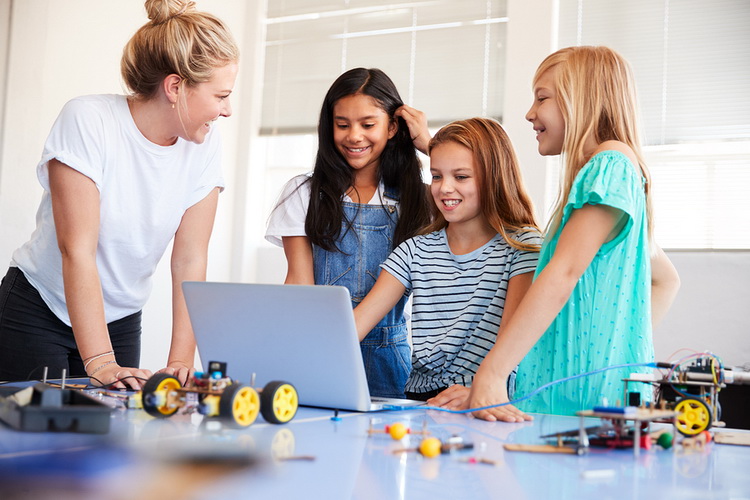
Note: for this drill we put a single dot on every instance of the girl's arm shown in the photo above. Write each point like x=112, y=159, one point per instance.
x=188, y=263
x=299, y=260
x=383, y=296
x=417, y=123
x=665, y=282
x=75, y=208
x=585, y=232
x=456, y=397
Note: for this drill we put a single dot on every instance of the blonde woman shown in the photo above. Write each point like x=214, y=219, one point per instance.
x=123, y=176
x=601, y=280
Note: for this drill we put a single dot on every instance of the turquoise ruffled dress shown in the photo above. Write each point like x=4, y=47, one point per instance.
x=607, y=319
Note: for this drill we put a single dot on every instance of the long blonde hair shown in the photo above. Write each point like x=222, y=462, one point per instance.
x=595, y=91
x=178, y=40
x=503, y=198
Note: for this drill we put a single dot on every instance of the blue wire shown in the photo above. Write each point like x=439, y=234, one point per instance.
x=529, y=395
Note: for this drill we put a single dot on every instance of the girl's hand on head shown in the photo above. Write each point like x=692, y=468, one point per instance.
x=118, y=377
x=455, y=397
x=489, y=392
x=417, y=123
x=178, y=369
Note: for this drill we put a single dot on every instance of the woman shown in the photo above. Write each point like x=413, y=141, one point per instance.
x=122, y=177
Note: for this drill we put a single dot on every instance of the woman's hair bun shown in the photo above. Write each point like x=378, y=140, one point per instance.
x=161, y=11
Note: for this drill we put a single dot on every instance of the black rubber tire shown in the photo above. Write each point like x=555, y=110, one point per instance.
x=226, y=407
x=149, y=388
x=267, y=398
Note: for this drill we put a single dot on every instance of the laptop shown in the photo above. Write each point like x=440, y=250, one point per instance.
x=301, y=334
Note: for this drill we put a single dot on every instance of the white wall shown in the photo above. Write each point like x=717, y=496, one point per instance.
x=532, y=35
x=4, y=32
x=58, y=50
x=712, y=310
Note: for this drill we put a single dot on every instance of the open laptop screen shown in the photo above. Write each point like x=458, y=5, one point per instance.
x=302, y=334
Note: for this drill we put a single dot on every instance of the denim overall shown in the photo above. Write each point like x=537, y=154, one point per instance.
x=363, y=248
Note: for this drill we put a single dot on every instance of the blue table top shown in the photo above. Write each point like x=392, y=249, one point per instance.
x=183, y=457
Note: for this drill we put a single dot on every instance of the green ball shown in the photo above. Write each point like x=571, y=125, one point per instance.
x=665, y=440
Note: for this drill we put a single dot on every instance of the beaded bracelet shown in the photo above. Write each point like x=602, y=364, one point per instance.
x=99, y=355
x=101, y=366
x=88, y=361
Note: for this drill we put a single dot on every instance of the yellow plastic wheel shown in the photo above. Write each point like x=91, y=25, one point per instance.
x=239, y=405
x=158, y=395
x=278, y=402
x=694, y=416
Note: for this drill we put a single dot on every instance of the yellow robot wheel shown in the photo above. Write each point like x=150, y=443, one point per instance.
x=158, y=395
x=278, y=402
x=239, y=405
x=694, y=416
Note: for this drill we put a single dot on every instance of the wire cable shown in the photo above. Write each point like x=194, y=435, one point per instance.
x=718, y=373
x=529, y=395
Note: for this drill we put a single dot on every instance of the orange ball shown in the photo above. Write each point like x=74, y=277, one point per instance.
x=430, y=447
x=398, y=431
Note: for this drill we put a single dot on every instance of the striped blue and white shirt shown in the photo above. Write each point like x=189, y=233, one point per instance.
x=457, y=303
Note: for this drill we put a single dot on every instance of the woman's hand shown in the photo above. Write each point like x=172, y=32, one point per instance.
x=109, y=373
x=455, y=397
x=417, y=123
x=178, y=369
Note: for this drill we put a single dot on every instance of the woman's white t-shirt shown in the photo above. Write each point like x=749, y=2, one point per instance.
x=144, y=191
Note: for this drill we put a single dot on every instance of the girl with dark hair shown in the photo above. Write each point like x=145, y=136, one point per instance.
x=364, y=197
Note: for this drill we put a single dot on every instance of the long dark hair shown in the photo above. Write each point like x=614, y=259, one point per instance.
x=399, y=168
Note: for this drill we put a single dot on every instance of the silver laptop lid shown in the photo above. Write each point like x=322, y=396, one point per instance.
x=301, y=334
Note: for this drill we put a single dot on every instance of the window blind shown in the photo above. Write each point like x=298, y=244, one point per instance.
x=692, y=70
x=445, y=57
x=690, y=60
